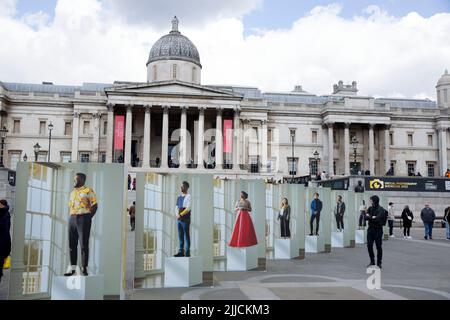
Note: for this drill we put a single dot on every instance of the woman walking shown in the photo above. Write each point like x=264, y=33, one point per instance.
x=244, y=234
x=407, y=217
x=285, y=216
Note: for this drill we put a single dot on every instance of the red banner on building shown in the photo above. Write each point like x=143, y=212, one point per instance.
x=119, y=131
x=228, y=136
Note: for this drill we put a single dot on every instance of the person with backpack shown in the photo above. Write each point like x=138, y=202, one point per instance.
x=377, y=218
x=428, y=216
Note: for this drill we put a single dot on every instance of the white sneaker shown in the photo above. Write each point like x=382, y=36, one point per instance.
x=392, y=236
x=405, y=237
x=409, y=237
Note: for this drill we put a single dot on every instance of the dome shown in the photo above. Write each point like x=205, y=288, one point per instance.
x=174, y=46
x=445, y=79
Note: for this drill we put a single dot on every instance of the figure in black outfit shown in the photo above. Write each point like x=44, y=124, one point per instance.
x=316, y=208
x=285, y=216
x=339, y=213
x=5, y=237
x=376, y=216
x=359, y=188
x=407, y=217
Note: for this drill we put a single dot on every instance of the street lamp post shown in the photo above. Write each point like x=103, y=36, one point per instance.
x=316, y=158
x=3, y=133
x=355, y=146
x=292, y=159
x=50, y=128
x=36, y=148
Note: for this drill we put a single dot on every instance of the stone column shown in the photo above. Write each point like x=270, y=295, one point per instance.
x=201, y=137
x=75, y=136
x=330, y=149
x=236, y=144
x=443, y=162
x=183, y=138
x=387, y=149
x=128, y=135
x=147, y=130
x=347, y=149
x=96, y=137
x=219, y=140
x=264, y=146
x=110, y=134
x=165, y=138
x=371, y=150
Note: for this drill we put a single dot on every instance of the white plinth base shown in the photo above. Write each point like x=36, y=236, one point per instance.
x=337, y=239
x=314, y=244
x=242, y=259
x=183, y=272
x=78, y=288
x=361, y=236
x=285, y=249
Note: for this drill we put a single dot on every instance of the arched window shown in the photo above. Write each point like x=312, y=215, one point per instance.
x=155, y=75
x=194, y=74
x=174, y=71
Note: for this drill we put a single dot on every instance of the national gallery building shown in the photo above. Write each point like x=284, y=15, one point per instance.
x=173, y=122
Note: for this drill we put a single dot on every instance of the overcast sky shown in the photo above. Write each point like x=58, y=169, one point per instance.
x=394, y=48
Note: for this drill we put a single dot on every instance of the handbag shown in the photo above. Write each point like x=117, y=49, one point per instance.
x=7, y=263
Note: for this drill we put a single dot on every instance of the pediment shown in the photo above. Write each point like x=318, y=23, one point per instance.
x=170, y=88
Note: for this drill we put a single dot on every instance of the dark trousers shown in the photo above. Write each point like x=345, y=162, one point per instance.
x=375, y=235
x=132, y=222
x=183, y=234
x=362, y=219
x=284, y=226
x=406, y=231
x=391, y=227
x=79, y=230
x=315, y=216
x=428, y=229
x=340, y=221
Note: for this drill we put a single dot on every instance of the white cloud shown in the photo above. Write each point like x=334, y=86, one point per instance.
x=86, y=42
x=8, y=7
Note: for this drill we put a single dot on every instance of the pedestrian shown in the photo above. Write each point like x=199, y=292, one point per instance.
x=134, y=184
x=362, y=216
x=316, y=208
x=183, y=212
x=428, y=216
x=323, y=176
x=339, y=213
x=391, y=219
x=5, y=237
x=376, y=215
x=129, y=181
x=359, y=188
x=447, y=222
x=132, y=213
x=407, y=217
x=285, y=216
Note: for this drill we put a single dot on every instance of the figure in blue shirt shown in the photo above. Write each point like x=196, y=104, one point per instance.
x=316, y=208
x=183, y=211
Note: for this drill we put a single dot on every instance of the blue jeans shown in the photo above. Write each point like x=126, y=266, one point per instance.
x=428, y=229
x=447, y=227
x=183, y=234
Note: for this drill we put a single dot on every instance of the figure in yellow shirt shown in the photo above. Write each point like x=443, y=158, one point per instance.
x=82, y=208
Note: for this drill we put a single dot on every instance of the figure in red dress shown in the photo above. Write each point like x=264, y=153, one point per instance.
x=244, y=234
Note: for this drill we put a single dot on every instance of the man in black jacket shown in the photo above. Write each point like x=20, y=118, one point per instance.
x=376, y=216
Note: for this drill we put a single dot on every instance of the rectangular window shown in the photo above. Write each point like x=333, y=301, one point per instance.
x=42, y=125
x=68, y=128
x=102, y=157
x=174, y=71
x=14, y=158
x=439, y=97
x=314, y=136
x=430, y=140
x=105, y=128
x=42, y=156
x=292, y=166
x=445, y=96
x=154, y=73
x=66, y=157
x=16, y=126
x=393, y=166
x=410, y=139
x=411, y=166
x=86, y=127
x=352, y=136
x=391, y=138
x=431, y=169
x=84, y=157
x=313, y=167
